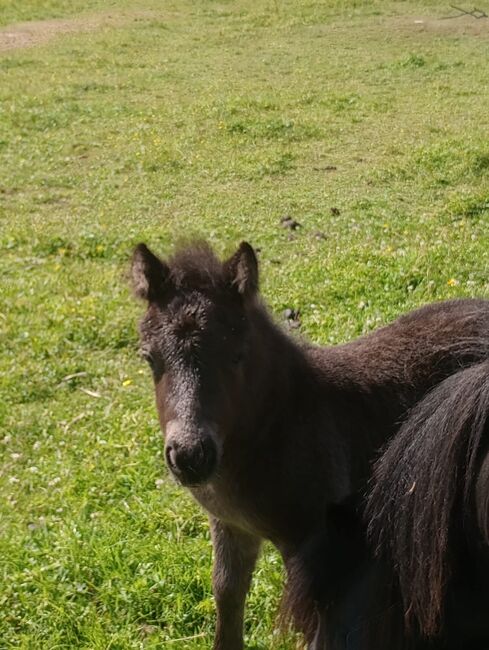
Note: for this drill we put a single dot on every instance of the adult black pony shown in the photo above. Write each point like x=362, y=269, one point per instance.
x=275, y=438
x=428, y=518
x=425, y=583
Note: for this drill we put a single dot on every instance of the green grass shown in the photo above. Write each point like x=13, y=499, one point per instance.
x=214, y=119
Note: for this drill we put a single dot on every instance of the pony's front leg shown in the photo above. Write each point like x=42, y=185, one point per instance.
x=235, y=555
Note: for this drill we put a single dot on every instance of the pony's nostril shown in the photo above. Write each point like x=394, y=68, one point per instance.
x=179, y=458
x=171, y=456
x=192, y=463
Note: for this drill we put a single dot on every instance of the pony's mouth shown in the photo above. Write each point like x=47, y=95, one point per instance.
x=189, y=479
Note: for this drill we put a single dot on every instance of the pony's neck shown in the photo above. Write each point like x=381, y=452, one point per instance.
x=278, y=366
x=320, y=392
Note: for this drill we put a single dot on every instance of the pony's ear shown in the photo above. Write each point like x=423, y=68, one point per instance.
x=149, y=273
x=241, y=270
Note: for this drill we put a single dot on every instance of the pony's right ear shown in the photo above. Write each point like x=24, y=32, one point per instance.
x=149, y=273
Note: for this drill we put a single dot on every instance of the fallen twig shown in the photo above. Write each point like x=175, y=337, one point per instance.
x=74, y=376
x=187, y=638
x=475, y=13
x=92, y=393
x=67, y=425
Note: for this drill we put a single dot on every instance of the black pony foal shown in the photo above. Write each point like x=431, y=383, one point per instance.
x=269, y=434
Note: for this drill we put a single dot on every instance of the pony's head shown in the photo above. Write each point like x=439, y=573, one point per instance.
x=195, y=336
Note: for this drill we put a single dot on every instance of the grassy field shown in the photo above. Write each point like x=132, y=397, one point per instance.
x=139, y=120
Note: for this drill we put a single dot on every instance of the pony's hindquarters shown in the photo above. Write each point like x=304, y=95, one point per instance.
x=428, y=506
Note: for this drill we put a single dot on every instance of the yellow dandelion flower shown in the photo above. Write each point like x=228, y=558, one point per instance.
x=452, y=282
x=127, y=382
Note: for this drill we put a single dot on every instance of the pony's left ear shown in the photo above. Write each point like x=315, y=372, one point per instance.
x=241, y=270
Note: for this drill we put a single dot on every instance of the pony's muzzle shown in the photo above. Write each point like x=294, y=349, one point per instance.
x=191, y=460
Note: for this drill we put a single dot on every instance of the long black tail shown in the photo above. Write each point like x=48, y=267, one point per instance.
x=434, y=463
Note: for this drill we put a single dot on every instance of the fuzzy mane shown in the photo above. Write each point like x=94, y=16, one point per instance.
x=428, y=470
x=194, y=265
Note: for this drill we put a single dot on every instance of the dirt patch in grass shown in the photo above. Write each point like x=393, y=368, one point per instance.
x=21, y=35
x=459, y=26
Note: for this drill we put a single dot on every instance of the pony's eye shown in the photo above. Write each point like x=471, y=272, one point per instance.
x=155, y=361
x=147, y=356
